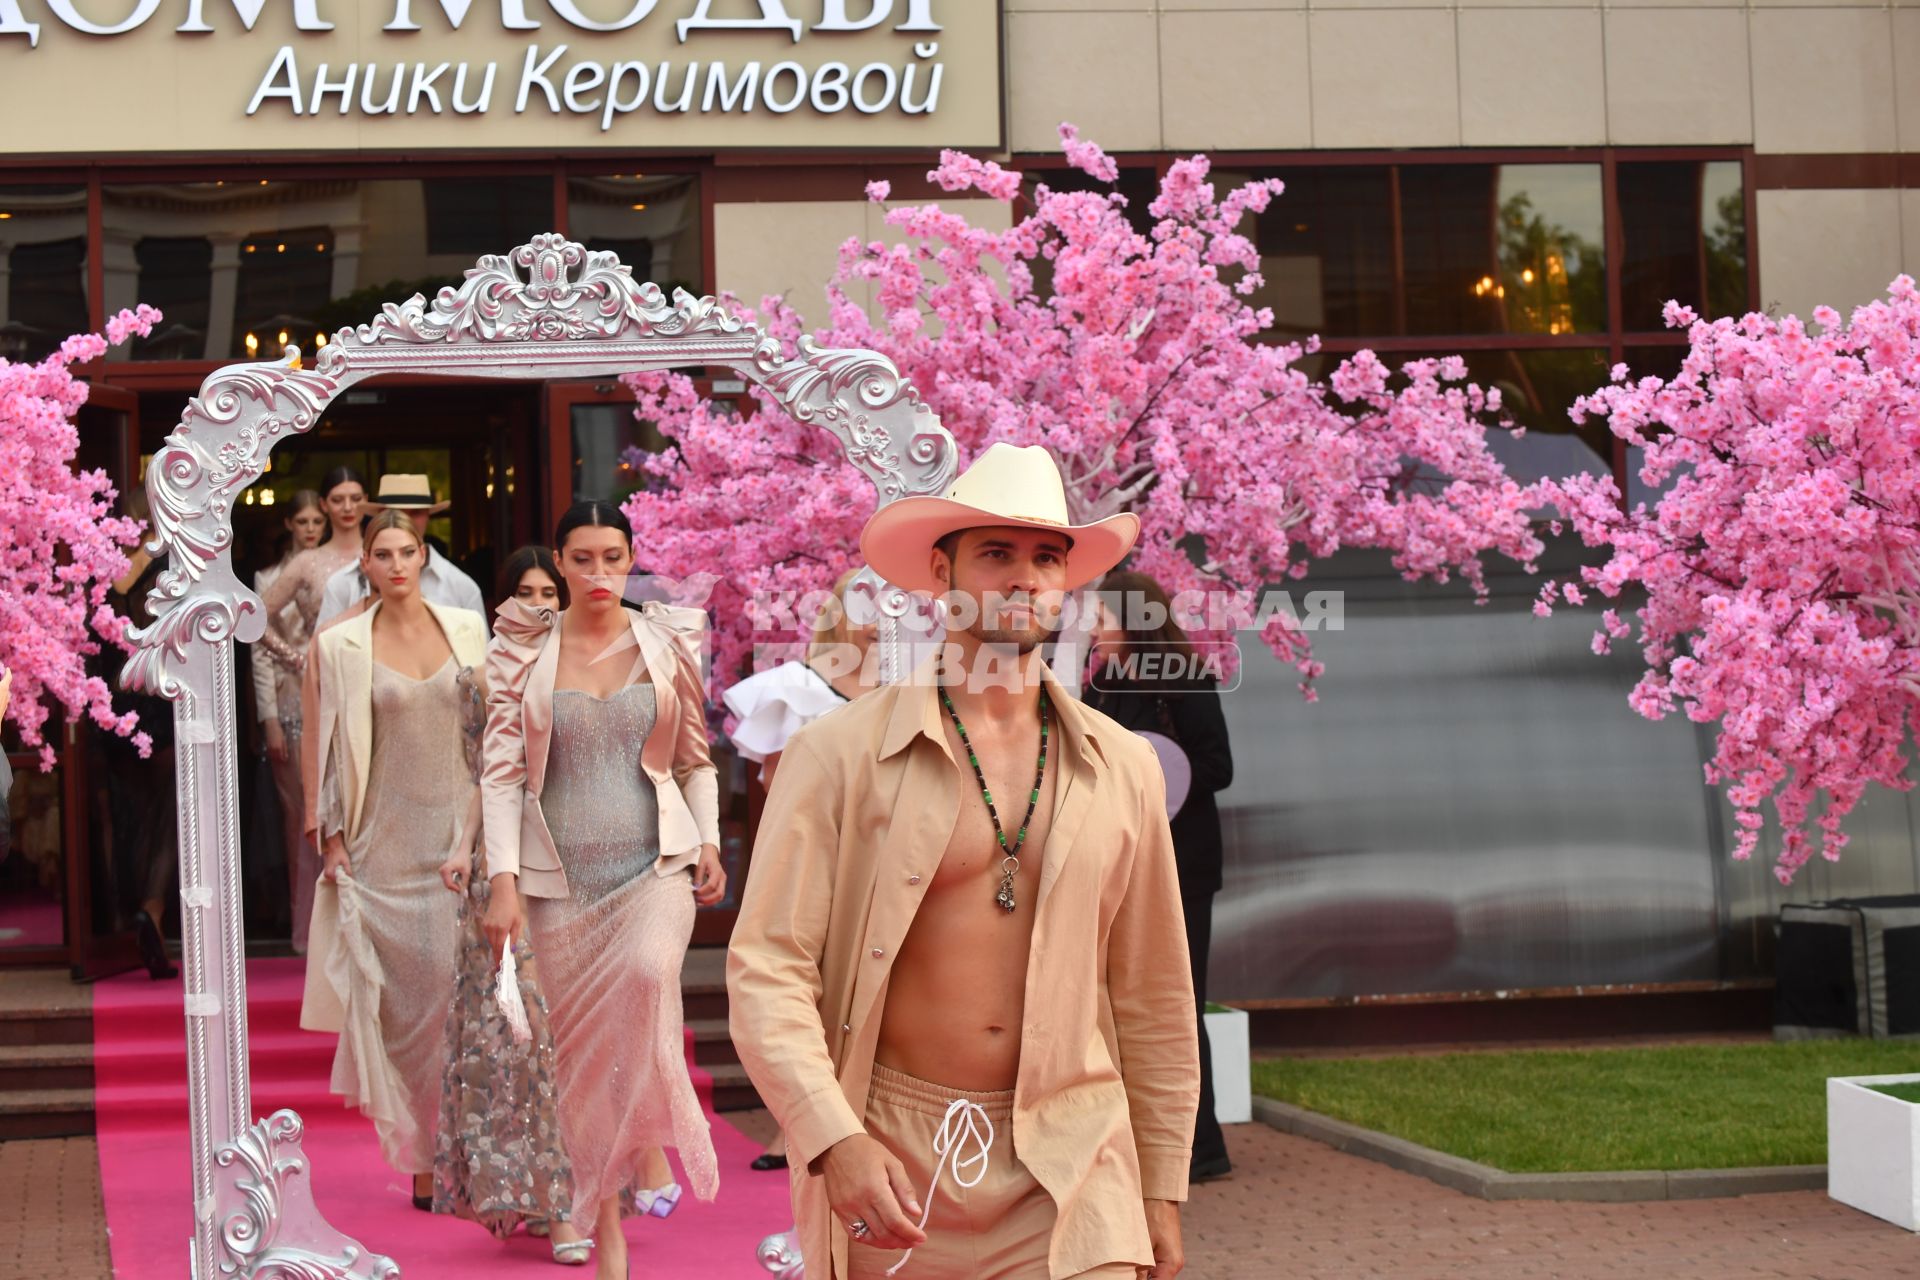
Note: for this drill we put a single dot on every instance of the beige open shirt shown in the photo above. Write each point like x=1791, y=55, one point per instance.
x=861, y=810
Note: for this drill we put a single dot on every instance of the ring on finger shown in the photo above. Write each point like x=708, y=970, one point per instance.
x=859, y=1229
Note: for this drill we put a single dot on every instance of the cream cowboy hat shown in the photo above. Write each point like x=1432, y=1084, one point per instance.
x=1006, y=485
x=403, y=491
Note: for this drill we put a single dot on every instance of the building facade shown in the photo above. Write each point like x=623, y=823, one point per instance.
x=1525, y=183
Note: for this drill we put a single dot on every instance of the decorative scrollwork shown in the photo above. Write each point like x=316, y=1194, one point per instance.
x=208, y=616
x=554, y=309
x=568, y=293
x=780, y=1254
x=219, y=448
x=794, y=381
x=814, y=387
x=261, y=1189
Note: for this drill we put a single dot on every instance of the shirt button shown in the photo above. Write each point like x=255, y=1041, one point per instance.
x=878, y=952
x=913, y=879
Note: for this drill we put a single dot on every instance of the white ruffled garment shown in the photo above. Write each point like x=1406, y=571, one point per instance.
x=774, y=705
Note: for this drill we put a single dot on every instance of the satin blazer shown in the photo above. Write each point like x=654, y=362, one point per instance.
x=345, y=652
x=522, y=662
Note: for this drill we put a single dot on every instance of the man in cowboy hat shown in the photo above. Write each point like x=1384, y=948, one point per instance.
x=442, y=582
x=975, y=1027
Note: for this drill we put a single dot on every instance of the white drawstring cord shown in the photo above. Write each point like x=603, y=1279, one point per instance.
x=949, y=1144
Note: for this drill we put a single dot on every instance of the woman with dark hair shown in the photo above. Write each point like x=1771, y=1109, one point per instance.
x=602, y=808
x=279, y=657
x=397, y=735
x=500, y=1159
x=143, y=824
x=1187, y=710
x=302, y=581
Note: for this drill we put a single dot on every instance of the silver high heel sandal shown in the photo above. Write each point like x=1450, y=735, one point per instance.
x=658, y=1203
x=573, y=1253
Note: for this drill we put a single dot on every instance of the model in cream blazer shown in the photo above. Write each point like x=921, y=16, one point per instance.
x=521, y=664
x=345, y=653
x=343, y=743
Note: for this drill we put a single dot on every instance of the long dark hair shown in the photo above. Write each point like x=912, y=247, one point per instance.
x=591, y=515
x=527, y=558
x=333, y=480
x=1129, y=588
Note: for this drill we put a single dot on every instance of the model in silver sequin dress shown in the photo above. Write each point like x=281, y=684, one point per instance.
x=610, y=957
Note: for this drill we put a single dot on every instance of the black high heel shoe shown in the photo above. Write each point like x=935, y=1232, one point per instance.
x=766, y=1162
x=153, y=948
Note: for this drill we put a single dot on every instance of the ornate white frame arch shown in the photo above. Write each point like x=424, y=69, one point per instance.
x=548, y=309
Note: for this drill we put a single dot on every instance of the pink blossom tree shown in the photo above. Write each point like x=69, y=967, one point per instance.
x=61, y=548
x=1138, y=361
x=1781, y=564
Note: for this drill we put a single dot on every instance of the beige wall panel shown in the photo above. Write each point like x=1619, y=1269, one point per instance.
x=789, y=247
x=1823, y=80
x=1100, y=71
x=1909, y=233
x=1077, y=6
x=1235, y=80
x=1906, y=77
x=1678, y=76
x=1384, y=78
x=1225, y=6
x=1532, y=77
x=1834, y=247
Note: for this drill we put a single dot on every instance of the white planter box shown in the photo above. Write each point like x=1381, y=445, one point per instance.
x=1233, y=1066
x=1873, y=1149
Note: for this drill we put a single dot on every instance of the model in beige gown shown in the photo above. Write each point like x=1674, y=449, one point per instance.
x=402, y=705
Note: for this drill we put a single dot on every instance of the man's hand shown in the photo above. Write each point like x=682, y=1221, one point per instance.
x=1163, y=1229
x=865, y=1183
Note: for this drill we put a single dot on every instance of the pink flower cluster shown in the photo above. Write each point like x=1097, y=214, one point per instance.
x=1137, y=359
x=1781, y=564
x=61, y=548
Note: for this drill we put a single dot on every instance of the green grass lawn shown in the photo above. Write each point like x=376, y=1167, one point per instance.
x=1683, y=1107
x=1904, y=1092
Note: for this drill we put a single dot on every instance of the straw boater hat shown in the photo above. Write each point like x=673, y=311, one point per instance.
x=1006, y=485
x=404, y=492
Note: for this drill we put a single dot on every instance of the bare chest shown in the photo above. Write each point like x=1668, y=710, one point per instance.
x=975, y=860
x=416, y=652
x=598, y=666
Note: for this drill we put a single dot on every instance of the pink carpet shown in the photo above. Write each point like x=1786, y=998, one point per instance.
x=140, y=1094
x=31, y=917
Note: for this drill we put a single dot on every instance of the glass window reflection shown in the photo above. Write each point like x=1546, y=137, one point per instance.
x=652, y=221
x=1550, y=241
x=43, y=268
x=236, y=264
x=1326, y=251
x=1357, y=251
x=1683, y=224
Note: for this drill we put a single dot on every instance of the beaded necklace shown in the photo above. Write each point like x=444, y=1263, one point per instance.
x=1010, y=864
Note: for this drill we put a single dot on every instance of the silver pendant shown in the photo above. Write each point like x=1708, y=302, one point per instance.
x=1005, y=897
